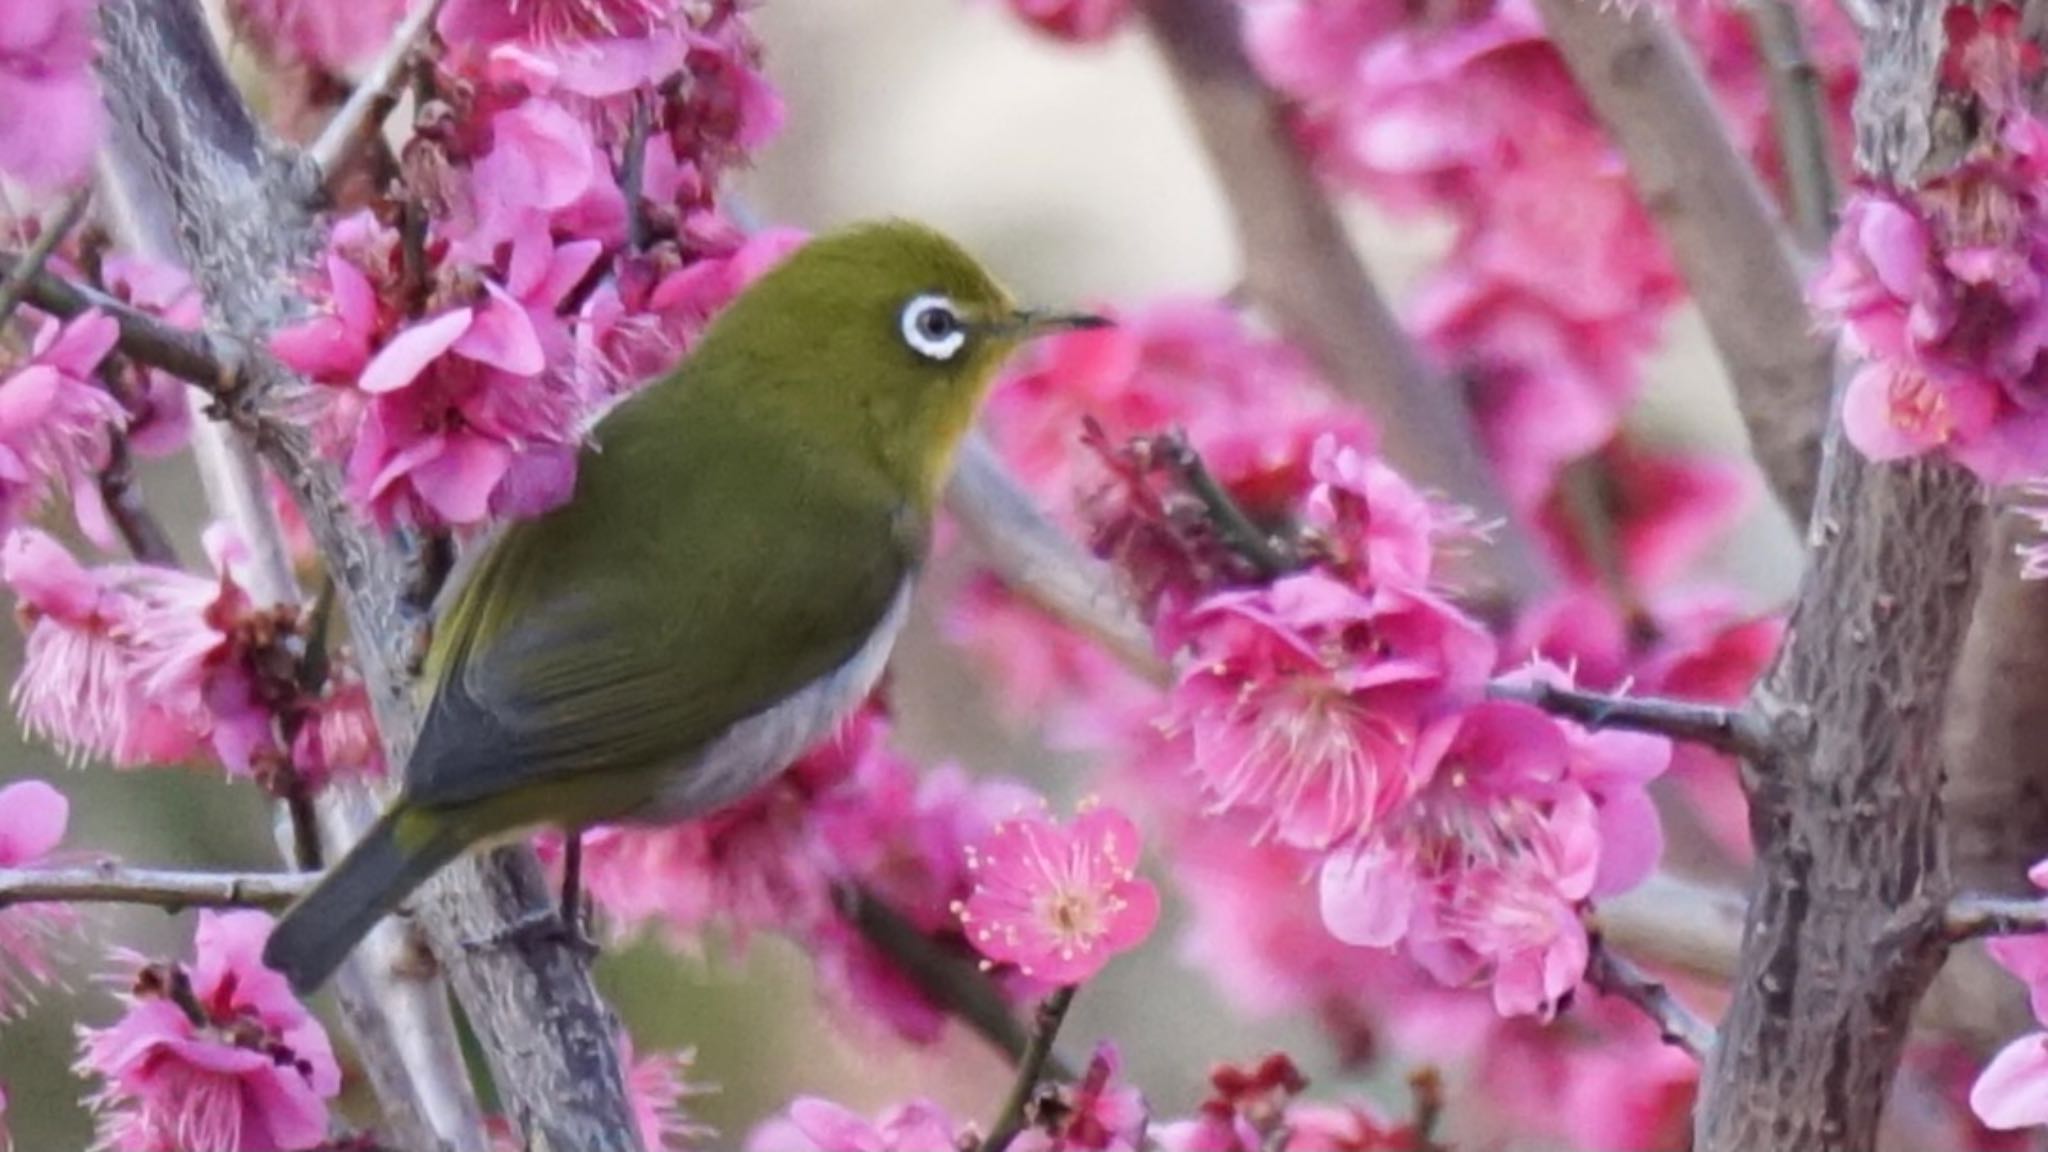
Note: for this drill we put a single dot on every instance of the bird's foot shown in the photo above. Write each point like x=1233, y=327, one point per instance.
x=541, y=926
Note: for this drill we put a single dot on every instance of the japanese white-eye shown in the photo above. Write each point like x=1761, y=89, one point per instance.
x=723, y=587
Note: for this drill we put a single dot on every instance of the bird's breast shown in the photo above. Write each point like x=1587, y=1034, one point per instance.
x=758, y=748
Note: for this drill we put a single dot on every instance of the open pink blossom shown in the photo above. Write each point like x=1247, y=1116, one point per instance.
x=330, y=36
x=57, y=424
x=1375, y=526
x=1303, y=700
x=32, y=820
x=54, y=118
x=1482, y=874
x=812, y=1124
x=2012, y=1092
x=1058, y=902
x=216, y=1058
x=1615, y=769
x=141, y=664
x=457, y=406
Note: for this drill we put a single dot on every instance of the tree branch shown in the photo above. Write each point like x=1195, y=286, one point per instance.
x=1041, y=563
x=1972, y=917
x=1616, y=975
x=1301, y=271
x=236, y=203
x=952, y=982
x=356, y=123
x=189, y=356
x=1734, y=731
x=1800, y=119
x=1716, y=216
x=30, y=263
x=114, y=883
x=1045, y=1028
x=1845, y=930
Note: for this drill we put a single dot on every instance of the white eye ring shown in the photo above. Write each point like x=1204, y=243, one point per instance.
x=932, y=327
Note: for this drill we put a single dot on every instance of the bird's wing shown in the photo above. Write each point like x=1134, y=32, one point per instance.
x=776, y=584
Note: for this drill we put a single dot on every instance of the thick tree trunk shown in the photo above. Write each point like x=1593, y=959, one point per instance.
x=1844, y=931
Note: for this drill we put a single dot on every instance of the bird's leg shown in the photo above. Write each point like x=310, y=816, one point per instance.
x=573, y=920
x=565, y=923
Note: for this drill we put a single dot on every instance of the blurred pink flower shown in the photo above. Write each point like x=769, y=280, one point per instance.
x=54, y=117
x=1251, y=405
x=57, y=424
x=1081, y=21
x=33, y=816
x=330, y=36
x=811, y=1124
x=222, y=1060
x=1058, y=902
x=2012, y=1091
x=1303, y=700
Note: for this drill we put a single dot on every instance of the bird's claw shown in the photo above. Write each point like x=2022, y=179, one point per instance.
x=541, y=926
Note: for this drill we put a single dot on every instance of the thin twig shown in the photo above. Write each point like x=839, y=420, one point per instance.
x=1799, y=116
x=1616, y=975
x=15, y=285
x=358, y=121
x=173, y=891
x=1971, y=917
x=952, y=982
x=1303, y=273
x=190, y=356
x=1731, y=730
x=1269, y=554
x=140, y=530
x=633, y=175
x=1031, y=1070
x=1426, y=1091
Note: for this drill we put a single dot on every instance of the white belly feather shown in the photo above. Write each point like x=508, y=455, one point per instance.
x=758, y=748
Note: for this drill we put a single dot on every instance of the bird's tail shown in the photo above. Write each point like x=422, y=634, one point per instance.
x=400, y=852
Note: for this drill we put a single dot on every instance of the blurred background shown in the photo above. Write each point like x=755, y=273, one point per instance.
x=1073, y=172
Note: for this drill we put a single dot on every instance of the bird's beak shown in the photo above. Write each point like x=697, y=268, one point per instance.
x=1027, y=323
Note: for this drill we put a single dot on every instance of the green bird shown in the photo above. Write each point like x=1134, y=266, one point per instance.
x=722, y=589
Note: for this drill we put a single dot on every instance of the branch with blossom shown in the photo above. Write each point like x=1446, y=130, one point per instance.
x=1617, y=975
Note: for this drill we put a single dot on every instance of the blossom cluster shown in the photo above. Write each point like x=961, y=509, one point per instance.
x=1248, y=1109
x=1940, y=288
x=553, y=238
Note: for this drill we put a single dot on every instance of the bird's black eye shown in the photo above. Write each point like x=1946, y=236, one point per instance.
x=933, y=328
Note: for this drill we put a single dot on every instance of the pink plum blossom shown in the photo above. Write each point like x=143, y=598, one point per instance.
x=1303, y=700
x=57, y=423
x=215, y=1058
x=33, y=816
x=54, y=117
x=811, y=1124
x=326, y=35
x=1058, y=902
x=1482, y=876
x=141, y=664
